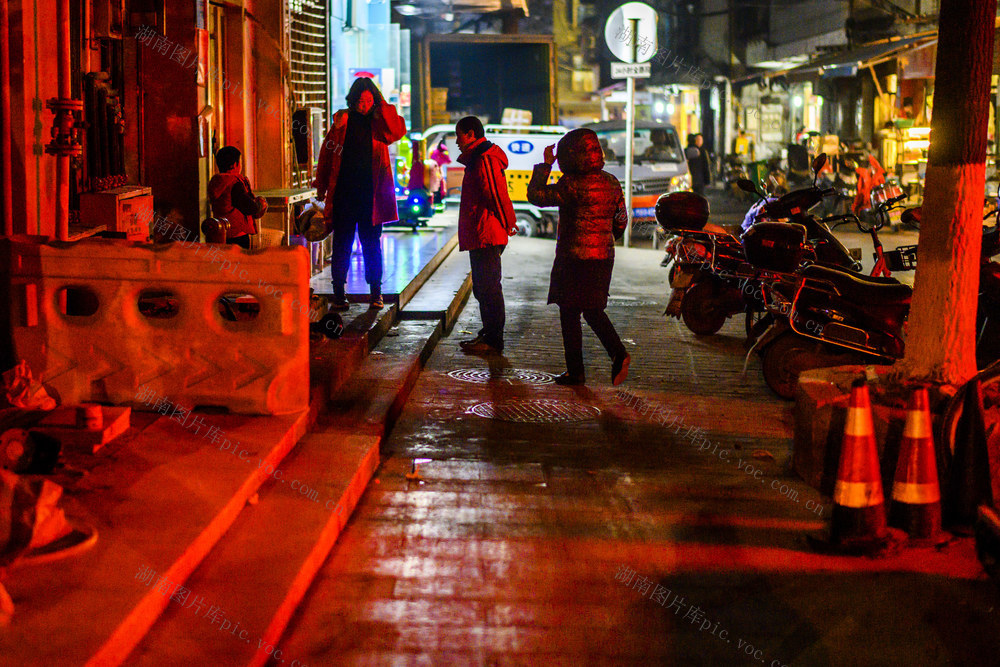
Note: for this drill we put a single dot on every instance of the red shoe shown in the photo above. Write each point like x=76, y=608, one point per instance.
x=619, y=369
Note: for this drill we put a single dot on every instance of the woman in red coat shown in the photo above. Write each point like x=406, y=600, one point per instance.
x=354, y=178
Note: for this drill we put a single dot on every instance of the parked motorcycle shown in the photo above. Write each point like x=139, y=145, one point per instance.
x=794, y=208
x=823, y=315
x=701, y=256
x=710, y=278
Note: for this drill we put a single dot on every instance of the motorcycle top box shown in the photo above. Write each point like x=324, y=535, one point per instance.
x=679, y=211
x=775, y=246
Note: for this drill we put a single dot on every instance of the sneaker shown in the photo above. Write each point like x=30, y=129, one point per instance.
x=568, y=380
x=481, y=347
x=470, y=341
x=619, y=369
x=376, y=303
x=339, y=302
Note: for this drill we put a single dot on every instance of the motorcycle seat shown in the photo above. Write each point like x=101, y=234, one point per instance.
x=862, y=288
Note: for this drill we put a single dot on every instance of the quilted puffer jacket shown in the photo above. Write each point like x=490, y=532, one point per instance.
x=591, y=202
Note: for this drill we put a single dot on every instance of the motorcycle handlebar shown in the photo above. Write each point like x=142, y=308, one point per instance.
x=886, y=205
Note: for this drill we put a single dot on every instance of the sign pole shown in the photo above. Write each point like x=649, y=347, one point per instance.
x=630, y=131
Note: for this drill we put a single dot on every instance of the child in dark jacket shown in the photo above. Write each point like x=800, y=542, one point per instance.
x=591, y=216
x=233, y=200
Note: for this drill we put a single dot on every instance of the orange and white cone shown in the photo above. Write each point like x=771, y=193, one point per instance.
x=916, y=496
x=858, y=520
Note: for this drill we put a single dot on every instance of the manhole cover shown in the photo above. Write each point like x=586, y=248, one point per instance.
x=538, y=411
x=506, y=375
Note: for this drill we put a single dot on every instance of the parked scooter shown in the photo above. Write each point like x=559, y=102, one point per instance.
x=794, y=208
x=822, y=315
x=710, y=278
x=701, y=256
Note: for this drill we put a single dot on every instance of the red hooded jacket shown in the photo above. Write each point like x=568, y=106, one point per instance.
x=485, y=213
x=232, y=199
x=591, y=203
x=387, y=127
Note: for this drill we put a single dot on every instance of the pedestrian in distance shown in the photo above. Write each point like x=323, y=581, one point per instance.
x=440, y=155
x=592, y=215
x=233, y=200
x=354, y=178
x=485, y=221
x=697, y=159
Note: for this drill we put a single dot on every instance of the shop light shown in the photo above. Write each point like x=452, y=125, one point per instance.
x=797, y=101
x=670, y=109
x=659, y=107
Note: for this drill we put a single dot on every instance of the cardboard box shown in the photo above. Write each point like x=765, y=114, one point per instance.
x=439, y=99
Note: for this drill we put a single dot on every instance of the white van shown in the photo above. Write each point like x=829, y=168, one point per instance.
x=524, y=146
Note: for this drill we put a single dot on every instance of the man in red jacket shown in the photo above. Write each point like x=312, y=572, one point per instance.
x=485, y=221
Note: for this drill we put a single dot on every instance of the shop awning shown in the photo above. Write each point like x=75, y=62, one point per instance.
x=847, y=63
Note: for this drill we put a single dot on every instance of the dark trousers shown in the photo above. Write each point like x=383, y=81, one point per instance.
x=486, y=287
x=572, y=333
x=371, y=248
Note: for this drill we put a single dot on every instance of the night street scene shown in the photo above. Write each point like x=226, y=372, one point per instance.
x=488, y=333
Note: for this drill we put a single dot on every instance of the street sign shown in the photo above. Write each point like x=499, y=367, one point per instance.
x=630, y=33
x=632, y=25
x=627, y=70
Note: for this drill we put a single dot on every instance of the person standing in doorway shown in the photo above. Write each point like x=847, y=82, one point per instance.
x=354, y=178
x=485, y=221
x=697, y=160
x=591, y=216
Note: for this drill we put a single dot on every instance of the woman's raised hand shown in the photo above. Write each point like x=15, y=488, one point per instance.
x=549, y=155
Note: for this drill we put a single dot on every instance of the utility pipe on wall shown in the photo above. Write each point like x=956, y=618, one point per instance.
x=6, y=134
x=65, y=142
x=65, y=93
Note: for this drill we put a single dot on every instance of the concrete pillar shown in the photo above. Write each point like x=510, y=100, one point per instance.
x=33, y=79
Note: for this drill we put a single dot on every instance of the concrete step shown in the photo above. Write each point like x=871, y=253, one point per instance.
x=253, y=581
x=444, y=294
x=157, y=514
x=333, y=361
x=163, y=496
x=257, y=575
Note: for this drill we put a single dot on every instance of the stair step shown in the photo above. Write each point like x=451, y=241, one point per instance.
x=444, y=293
x=259, y=574
x=155, y=509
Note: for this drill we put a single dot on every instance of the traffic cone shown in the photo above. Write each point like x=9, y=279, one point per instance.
x=916, y=496
x=968, y=483
x=858, y=522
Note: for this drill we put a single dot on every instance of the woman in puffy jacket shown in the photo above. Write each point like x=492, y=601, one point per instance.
x=591, y=216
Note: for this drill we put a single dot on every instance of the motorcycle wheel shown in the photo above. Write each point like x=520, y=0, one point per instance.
x=989, y=382
x=702, y=309
x=790, y=354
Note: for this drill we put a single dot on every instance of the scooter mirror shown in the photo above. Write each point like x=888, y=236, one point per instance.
x=746, y=185
x=818, y=163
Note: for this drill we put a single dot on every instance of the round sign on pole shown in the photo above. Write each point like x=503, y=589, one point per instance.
x=618, y=32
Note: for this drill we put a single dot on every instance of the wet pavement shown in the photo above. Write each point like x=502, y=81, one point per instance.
x=405, y=253
x=516, y=522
